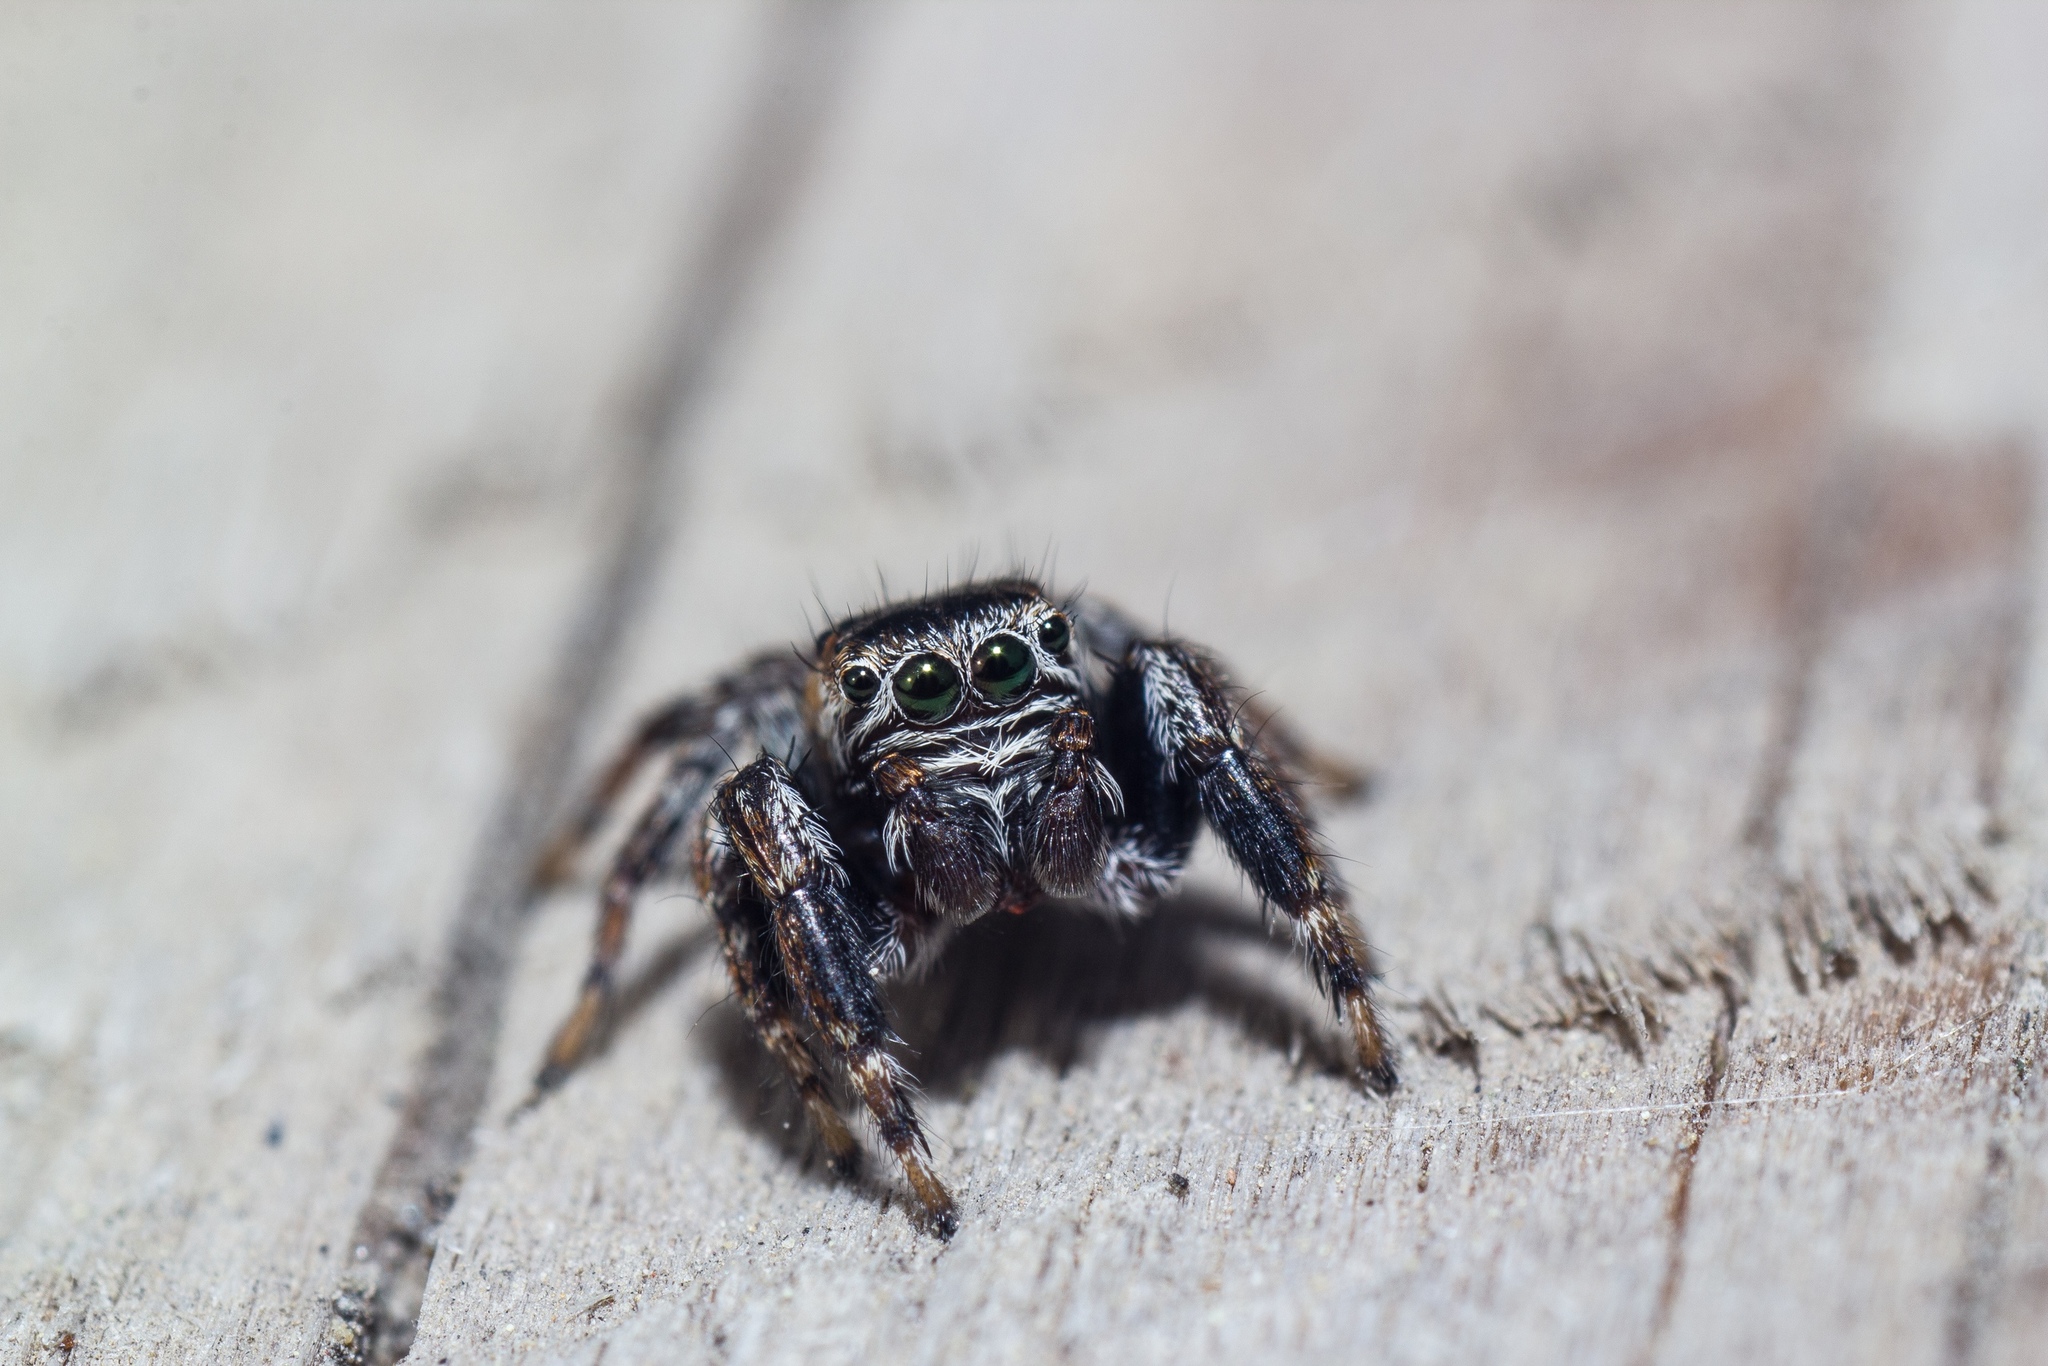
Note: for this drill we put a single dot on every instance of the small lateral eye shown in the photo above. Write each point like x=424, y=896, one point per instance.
x=1054, y=633
x=1003, y=665
x=927, y=688
x=859, y=683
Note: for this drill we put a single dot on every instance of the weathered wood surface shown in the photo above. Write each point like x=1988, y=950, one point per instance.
x=1617, y=425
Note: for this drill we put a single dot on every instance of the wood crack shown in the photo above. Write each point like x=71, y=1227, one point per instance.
x=1678, y=1211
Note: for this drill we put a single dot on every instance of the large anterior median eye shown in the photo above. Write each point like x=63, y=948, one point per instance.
x=1003, y=665
x=927, y=687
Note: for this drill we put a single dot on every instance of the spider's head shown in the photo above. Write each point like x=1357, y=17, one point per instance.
x=985, y=666
x=962, y=715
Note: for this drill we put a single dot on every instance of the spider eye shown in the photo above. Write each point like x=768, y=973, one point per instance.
x=860, y=684
x=1003, y=665
x=927, y=687
x=1054, y=633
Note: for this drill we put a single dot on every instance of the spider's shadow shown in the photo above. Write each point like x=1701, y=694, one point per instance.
x=1047, y=983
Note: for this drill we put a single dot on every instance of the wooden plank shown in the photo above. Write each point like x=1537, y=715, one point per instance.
x=1490, y=393
x=316, y=332
x=1537, y=407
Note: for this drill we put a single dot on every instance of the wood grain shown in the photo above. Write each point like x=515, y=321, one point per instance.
x=1557, y=409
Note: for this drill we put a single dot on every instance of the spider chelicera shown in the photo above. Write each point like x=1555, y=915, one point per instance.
x=926, y=763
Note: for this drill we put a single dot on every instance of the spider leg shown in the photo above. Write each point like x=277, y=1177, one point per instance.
x=1341, y=781
x=1110, y=634
x=644, y=856
x=709, y=712
x=685, y=718
x=826, y=929
x=1192, y=732
x=759, y=704
x=750, y=958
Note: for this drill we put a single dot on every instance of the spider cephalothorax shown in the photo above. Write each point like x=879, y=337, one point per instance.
x=925, y=764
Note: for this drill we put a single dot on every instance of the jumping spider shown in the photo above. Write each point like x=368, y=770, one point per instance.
x=923, y=765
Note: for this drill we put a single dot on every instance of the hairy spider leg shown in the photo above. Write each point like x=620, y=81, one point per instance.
x=644, y=856
x=686, y=718
x=1339, y=780
x=692, y=716
x=1110, y=633
x=1195, y=738
x=757, y=706
x=827, y=931
x=751, y=960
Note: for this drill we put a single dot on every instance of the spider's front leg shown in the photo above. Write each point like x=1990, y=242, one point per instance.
x=825, y=928
x=751, y=958
x=1192, y=733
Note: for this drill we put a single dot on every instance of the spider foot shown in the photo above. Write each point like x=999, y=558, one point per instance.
x=573, y=1040
x=943, y=1223
x=937, y=1213
x=842, y=1152
x=1376, y=1066
x=940, y=1218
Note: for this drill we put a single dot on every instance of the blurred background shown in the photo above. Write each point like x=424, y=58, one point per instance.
x=1616, y=425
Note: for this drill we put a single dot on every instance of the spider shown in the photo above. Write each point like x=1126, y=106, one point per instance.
x=920, y=766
